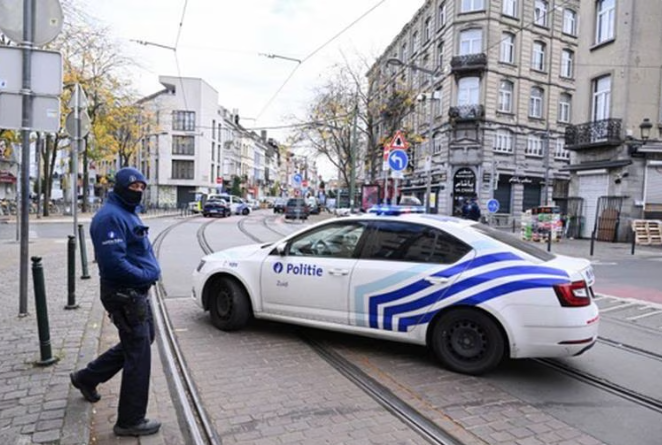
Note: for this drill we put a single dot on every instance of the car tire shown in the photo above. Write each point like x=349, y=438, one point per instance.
x=229, y=305
x=204, y=215
x=245, y=212
x=468, y=341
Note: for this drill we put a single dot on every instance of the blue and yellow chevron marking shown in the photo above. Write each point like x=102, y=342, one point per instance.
x=551, y=276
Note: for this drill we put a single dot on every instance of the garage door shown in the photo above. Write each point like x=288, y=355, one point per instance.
x=591, y=187
x=654, y=183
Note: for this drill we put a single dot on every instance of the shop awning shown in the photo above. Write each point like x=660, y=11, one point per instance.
x=7, y=177
x=595, y=165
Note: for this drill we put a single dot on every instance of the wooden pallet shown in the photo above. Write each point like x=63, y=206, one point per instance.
x=647, y=232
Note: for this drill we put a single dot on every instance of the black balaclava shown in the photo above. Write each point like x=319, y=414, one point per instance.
x=123, y=179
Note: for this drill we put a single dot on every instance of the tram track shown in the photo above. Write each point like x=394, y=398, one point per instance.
x=195, y=424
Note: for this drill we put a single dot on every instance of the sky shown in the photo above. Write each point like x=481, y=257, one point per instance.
x=219, y=41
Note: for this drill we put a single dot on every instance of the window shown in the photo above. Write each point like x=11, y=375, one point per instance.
x=471, y=42
x=468, y=91
x=536, y=102
x=403, y=52
x=428, y=29
x=604, y=20
x=507, y=48
x=509, y=8
x=402, y=241
x=538, y=57
x=561, y=152
x=565, y=107
x=534, y=145
x=567, y=64
x=540, y=13
x=415, y=42
x=513, y=241
x=472, y=5
x=570, y=22
x=183, y=170
x=436, y=142
x=441, y=17
x=503, y=141
x=183, y=120
x=438, y=98
x=183, y=145
x=506, y=89
x=601, y=101
x=440, y=55
x=334, y=241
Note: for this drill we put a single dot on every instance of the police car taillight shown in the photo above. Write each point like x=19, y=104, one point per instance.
x=575, y=294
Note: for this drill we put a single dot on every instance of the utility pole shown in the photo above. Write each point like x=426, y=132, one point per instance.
x=26, y=123
x=546, y=161
x=352, y=154
x=428, y=157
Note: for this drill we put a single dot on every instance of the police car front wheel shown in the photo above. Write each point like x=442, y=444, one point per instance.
x=229, y=305
x=468, y=341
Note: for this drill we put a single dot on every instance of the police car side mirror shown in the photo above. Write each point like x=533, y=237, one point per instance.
x=281, y=249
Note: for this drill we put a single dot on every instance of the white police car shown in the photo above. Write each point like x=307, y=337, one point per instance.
x=473, y=294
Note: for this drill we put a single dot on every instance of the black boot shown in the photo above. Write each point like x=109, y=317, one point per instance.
x=143, y=428
x=90, y=394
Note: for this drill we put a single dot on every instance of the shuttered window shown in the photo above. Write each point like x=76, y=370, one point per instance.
x=654, y=183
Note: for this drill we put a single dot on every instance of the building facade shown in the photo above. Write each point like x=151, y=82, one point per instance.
x=617, y=172
x=496, y=107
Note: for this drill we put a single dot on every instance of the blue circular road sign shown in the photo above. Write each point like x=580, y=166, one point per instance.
x=493, y=205
x=297, y=178
x=398, y=160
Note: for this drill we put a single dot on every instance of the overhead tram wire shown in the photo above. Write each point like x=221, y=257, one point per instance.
x=179, y=71
x=315, y=51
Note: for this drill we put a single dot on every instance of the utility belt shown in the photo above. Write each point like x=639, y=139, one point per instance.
x=127, y=307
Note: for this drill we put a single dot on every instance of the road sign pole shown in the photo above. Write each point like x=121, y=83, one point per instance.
x=74, y=162
x=26, y=124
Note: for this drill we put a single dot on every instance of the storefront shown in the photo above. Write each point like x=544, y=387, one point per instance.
x=464, y=188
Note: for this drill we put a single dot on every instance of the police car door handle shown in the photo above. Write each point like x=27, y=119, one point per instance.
x=338, y=272
x=436, y=280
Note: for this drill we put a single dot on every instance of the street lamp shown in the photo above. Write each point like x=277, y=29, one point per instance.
x=428, y=159
x=645, y=130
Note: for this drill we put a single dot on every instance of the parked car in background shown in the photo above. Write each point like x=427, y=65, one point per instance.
x=254, y=204
x=296, y=208
x=237, y=204
x=279, y=205
x=313, y=205
x=216, y=207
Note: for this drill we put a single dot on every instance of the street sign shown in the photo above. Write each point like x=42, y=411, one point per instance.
x=398, y=160
x=297, y=179
x=45, y=112
x=397, y=175
x=46, y=75
x=219, y=180
x=493, y=205
x=304, y=183
x=70, y=124
x=47, y=20
x=399, y=142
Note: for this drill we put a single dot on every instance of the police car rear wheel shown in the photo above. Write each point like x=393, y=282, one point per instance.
x=229, y=306
x=468, y=341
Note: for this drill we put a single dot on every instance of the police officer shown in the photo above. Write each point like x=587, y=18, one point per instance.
x=127, y=269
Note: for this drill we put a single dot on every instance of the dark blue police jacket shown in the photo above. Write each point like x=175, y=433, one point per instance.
x=121, y=246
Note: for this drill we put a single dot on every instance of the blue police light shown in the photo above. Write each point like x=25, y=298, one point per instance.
x=395, y=210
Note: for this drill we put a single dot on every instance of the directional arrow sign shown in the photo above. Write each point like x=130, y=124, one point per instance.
x=398, y=160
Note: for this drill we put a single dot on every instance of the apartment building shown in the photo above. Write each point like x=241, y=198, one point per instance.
x=617, y=172
x=496, y=107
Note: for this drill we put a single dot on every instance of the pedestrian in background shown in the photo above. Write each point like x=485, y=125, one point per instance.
x=474, y=210
x=127, y=269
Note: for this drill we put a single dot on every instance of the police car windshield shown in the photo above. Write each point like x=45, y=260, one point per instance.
x=514, y=242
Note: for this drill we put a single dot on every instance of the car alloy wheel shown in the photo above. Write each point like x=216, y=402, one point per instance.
x=229, y=305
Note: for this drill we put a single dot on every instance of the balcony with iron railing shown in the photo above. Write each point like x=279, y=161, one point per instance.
x=602, y=133
x=466, y=113
x=469, y=63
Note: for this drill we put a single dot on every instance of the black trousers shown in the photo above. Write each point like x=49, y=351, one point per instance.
x=132, y=355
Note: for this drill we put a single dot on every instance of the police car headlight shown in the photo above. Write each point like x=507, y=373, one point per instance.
x=200, y=266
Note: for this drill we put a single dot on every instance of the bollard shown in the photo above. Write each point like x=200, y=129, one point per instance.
x=634, y=240
x=592, y=242
x=83, y=252
x=71, y=273
x=549, y=241
x=42, y=313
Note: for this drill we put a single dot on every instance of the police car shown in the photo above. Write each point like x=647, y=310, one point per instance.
x=473, y=294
